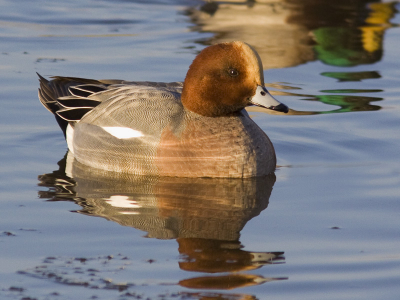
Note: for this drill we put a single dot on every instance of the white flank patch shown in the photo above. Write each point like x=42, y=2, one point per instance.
x=69, y=164
x=262, y=257
x=70, y=138
x=129, y=213
x=122, y=201
x=123, y=132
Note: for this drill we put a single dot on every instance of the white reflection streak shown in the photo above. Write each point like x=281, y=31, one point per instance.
x=122, y=201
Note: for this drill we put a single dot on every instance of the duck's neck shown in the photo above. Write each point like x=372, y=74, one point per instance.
x=201, y=98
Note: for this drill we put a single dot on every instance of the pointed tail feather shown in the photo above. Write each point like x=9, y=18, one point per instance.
x=62, y=94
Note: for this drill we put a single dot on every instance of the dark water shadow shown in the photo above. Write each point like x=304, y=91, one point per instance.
x=204, y=215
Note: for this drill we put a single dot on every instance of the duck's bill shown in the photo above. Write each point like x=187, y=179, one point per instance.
x=264, y=99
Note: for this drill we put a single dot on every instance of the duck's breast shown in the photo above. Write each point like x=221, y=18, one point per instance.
x=232, y=146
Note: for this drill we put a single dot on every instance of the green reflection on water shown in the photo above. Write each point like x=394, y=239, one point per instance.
x=349, y=103
x=355, y=40
x=352, y=76
x=343, y=47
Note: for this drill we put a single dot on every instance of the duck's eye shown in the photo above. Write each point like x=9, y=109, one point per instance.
x=233, y=72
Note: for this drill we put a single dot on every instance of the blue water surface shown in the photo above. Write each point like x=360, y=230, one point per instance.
x=325, y=226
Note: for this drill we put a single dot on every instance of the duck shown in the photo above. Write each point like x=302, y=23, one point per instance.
x=198, y=128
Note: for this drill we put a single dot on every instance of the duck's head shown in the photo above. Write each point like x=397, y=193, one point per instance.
x=225, y=78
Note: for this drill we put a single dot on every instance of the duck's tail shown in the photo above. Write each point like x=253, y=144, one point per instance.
x=67, y=97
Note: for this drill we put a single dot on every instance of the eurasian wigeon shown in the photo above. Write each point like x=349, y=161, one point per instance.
x=196, y=129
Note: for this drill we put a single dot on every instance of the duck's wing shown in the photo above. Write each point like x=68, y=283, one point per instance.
x=70, y=98
x=123, y=132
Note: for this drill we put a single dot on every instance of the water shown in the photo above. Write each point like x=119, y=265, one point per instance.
x=326, y=226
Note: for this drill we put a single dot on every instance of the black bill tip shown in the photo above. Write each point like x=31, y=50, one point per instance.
x=281, y=108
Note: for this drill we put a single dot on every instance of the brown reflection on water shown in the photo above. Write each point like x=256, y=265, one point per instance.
x=213, y=256
x=225, y=282
x=216, y=296
x=204, y=215
x=291, y=32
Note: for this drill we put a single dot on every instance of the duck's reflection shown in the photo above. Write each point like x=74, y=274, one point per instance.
x=204, y=215
x=291, y=32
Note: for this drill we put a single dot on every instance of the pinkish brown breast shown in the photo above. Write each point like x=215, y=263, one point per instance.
x=232, y=146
